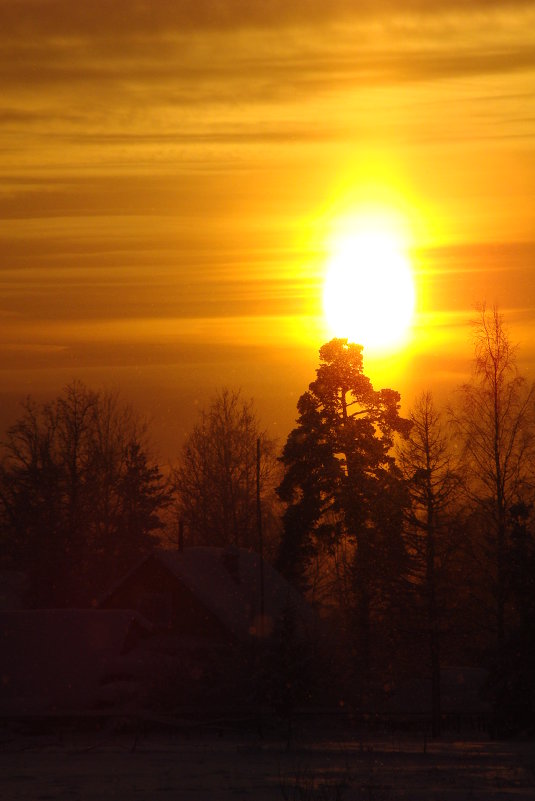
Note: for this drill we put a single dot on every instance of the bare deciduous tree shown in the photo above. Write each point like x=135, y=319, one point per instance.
x=79, y=495
x=215, y=481
x=494, y=422
x=425, y=458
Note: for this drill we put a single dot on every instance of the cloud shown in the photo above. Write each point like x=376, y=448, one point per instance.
x=193, y=53
x=99, y=295
x=124, y=18
x=179, y=73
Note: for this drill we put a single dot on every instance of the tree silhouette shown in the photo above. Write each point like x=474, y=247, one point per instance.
x=495, y=426
x=342, y=488
x=215, y=480
x=79, y=498
x=426, y=461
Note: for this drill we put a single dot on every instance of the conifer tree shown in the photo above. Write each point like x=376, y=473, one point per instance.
x=342, y=487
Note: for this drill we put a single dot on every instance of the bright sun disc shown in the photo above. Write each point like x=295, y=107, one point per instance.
x=368, y=295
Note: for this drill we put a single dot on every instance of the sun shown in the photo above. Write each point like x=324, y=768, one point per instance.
x=368, y=294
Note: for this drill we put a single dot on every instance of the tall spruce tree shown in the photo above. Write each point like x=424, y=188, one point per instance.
x=343, y=492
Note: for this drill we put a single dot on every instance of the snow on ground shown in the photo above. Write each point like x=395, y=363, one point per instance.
x=100, y=766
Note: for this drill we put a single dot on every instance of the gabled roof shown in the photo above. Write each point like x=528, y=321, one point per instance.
x=227, y=582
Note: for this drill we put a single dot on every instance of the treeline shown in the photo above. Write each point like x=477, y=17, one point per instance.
x=413, y=537
x=416, y=535
x=82, y=498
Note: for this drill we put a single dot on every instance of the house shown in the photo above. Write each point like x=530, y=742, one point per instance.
x=210, y=594
x=179, y=630
x=55, y=661
x=211, y=609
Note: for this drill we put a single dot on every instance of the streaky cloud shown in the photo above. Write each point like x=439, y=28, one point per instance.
x=123, y=18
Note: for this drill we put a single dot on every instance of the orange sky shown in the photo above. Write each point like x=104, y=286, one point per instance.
x=171, y=171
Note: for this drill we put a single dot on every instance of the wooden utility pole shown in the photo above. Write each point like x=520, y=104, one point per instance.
x=260, y=537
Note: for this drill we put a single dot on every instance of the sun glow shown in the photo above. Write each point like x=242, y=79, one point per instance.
x=368, y=293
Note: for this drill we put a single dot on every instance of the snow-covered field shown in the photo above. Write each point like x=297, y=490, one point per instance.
x=100, y=766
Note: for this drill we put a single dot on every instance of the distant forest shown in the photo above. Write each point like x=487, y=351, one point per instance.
x=413, y=537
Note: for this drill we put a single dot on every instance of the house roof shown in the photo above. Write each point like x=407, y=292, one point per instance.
x=54, y=659
x=227, y=582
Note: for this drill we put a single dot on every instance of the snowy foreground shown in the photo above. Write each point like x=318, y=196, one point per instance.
x=211, y=766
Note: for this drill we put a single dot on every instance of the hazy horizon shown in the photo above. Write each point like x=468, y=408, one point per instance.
x=172, y=174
